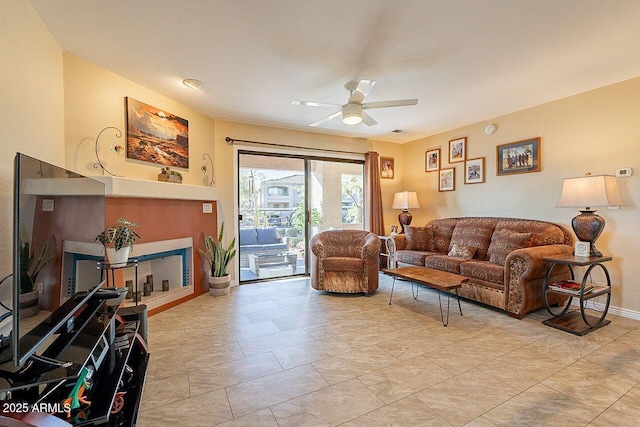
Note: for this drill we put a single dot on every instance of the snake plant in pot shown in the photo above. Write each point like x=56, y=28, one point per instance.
x=30, y=267
x=218, y=257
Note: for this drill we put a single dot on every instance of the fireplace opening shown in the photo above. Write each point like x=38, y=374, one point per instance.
x=163, y=273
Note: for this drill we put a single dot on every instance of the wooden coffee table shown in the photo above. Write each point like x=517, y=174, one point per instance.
x=436, y=279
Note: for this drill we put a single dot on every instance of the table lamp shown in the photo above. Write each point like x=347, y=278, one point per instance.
x=586, y=192
x=405, y=200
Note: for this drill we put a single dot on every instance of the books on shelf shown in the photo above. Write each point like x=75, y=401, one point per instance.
x=570, y=287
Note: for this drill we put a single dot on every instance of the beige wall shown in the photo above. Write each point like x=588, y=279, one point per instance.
x=397, y=183
x=597, y=131
x=94, y=98
x=31, y=104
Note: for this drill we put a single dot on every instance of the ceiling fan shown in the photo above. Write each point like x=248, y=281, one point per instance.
x=352, y=112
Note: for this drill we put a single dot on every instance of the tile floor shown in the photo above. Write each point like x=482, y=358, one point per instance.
x=283, y=354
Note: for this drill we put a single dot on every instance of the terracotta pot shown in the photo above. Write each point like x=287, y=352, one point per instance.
x=28, y=304
x=219, y=286
x=118, y=258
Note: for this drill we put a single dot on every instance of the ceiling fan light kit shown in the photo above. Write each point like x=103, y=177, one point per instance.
x=352, y=112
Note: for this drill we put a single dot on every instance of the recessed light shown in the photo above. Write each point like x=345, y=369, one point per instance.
x=193, y=83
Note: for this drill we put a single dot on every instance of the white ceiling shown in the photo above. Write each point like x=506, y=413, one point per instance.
x=466, y=60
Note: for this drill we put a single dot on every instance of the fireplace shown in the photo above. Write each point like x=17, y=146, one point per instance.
x=165, y=260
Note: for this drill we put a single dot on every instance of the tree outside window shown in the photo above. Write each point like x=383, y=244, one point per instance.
x=352, y=199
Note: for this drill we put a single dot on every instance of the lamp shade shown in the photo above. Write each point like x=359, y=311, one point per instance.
x=589, y=191
x=405, y=200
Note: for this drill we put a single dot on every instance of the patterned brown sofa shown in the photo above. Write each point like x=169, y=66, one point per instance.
x=344, y=261
x=502, y=257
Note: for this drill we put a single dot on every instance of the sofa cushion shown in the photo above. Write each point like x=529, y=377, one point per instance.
x=443, y=229
x=267, y=236
x=544, y=233
x=412, y=257
x=444, y=263
x=462, y=251
x=483, y=270
x=248, y=236
x=419, y=238
x=474, y=232
x=504, y=241
x=343, y=264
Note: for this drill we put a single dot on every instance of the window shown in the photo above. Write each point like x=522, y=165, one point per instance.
x=352, y=191
x=278, y=191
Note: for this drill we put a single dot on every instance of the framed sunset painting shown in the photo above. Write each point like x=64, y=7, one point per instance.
x=156, y=136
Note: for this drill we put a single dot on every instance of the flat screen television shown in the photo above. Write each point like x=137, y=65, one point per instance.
x=51, y=205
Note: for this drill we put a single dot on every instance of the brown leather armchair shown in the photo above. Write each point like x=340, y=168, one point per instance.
x=345, y=261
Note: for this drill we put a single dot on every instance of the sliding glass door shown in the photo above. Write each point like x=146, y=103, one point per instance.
x=336, y=195
x=283, y=200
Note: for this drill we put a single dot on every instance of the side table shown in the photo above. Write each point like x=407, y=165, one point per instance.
x=105, y=267
x=578, y=323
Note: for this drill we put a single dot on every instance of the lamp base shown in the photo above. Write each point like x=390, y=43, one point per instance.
x=588, y=226
x=404, y=218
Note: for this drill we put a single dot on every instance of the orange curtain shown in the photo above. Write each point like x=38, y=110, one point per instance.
x=374, y=206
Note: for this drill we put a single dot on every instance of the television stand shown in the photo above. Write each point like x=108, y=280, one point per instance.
x=102, y=342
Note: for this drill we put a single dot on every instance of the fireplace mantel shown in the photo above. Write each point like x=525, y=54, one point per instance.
x=128, y=187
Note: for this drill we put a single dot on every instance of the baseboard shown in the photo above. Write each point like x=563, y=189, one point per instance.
x=617, y=311
x=623, y=312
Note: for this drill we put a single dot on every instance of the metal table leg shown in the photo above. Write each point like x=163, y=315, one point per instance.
x=392, y=286
x=445, y=323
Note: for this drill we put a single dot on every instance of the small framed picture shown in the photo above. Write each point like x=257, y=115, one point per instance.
x=447, y=179
x=457, y=150
x=432, y=160
x=386, y=167
x=518, y=157
x=474, y=171
x=582, y=249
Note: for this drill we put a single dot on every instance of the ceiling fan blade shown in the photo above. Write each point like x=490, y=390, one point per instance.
x=326, y=119
x=361, y=91
x=314, y=104
x=384, y=104
x=368, y=120
x=365, y=86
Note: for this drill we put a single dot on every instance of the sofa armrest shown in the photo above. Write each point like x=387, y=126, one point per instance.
x=524, y=274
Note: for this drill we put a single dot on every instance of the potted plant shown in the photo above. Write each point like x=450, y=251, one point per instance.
x=122, y=237
x=218, y=257
x=168, y=175
x=30, y=267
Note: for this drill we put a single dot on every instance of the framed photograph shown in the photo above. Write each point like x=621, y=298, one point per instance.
x=474, y=171
x=582, y=249
x=386, y=167
x=518, y=157
x=156, y=136
x=432, y=160
x=447, y=179
x=457, y=150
